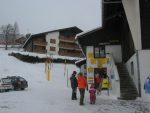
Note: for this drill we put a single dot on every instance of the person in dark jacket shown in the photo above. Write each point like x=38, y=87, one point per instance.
x=74, y=85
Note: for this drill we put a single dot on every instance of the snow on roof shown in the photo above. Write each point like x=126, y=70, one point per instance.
x=80, y=60
x=86, y=32
x=46, y=55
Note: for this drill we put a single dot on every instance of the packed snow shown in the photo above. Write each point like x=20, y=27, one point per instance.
x=54, y=96
x=47, y=55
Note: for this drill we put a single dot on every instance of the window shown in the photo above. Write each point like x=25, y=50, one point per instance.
x=52, y=48
x=99, y=52
x=53, y=41
x=132, y=68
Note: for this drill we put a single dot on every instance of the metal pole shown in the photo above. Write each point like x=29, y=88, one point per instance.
x=67, y=77
x=138, y=69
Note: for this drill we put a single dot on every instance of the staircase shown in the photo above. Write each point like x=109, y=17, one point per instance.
x=127, y=88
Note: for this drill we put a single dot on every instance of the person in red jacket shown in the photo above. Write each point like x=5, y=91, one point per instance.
x=82, y=85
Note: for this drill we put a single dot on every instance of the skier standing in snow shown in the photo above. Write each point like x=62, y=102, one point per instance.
x=74, y=85
x=82, y=85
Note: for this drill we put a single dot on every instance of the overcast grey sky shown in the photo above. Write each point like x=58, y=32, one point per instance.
x=36, y=16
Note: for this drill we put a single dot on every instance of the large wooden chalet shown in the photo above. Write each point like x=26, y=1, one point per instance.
x=58, y=42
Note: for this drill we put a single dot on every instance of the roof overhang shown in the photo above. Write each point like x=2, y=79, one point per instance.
x=107, y=35
x=79, y=63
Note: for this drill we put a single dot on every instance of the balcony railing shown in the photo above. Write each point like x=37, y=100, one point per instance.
x=76, y=54
x=39, y=50
x=70, y=47
x=67, y=39
x=38, y=43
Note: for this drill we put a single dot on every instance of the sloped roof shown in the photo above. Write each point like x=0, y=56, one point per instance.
x=79, y=63
x=74, y=29
x=106, y=35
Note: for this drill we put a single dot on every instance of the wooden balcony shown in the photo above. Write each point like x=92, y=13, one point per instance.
x=70, y=47
x=39, y=51
x=72, y=54
x=67, y=39
x=38, y=43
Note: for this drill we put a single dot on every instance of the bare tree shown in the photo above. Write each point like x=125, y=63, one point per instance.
x=6, y=31
x=16, y=31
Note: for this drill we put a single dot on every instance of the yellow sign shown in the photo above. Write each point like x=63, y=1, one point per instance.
x=90, y=69
x=90, y=55
x=99, y=65
x=103, y=61
x=93, y=61
x=90, y=80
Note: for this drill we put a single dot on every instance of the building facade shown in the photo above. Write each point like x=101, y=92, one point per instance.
x=57, y=42
x=127, y=24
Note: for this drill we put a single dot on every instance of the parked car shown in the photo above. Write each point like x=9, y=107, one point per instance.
x=5, y=85
x=19, y=83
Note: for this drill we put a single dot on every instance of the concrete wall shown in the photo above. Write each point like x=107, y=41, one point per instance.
x=131, y=8
x=83, y=69
x=115, y=50
x=53, y=35
x=114, y=76
x=144, y=64
x=133, y=73
x=144, y=70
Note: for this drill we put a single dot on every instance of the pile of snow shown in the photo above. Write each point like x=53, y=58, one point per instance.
x=46, y=55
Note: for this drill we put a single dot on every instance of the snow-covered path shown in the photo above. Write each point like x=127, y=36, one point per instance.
x=53, y=96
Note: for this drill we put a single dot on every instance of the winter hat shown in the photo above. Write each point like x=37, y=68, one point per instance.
x=92, y=85
x=74, y=72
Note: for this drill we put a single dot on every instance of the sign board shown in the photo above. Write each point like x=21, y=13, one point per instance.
x=102, y=61
x=93, y=61
x=90, y=69
x=90, y=80
x=90, y=55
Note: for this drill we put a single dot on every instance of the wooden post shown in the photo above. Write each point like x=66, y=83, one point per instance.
x=48, y=73
x=108, y=85
x=65, y=68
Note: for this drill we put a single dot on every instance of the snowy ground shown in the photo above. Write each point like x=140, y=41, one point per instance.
x=53, y=96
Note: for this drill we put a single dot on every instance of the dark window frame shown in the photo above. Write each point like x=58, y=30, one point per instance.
x=132, y=68
x=53, y=41
x=97, y=53
x=52, y=48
